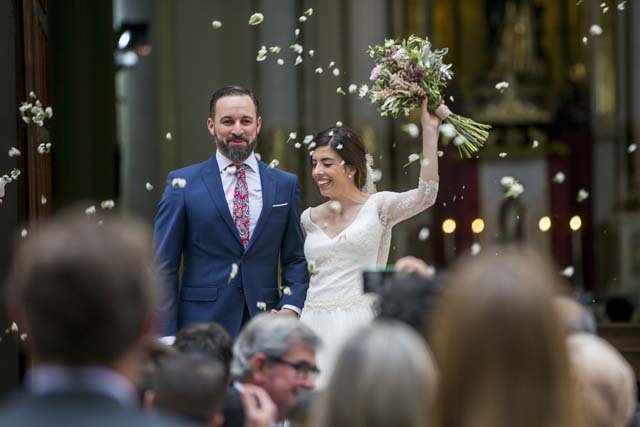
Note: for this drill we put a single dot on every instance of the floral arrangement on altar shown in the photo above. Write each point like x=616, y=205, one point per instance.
x=406, y=71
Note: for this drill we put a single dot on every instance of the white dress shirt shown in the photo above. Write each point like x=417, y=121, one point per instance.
x=254, y=185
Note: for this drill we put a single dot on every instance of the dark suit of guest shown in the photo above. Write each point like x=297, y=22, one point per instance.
x=194, y=224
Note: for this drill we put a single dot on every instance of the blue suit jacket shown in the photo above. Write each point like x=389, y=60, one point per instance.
x=194, y=223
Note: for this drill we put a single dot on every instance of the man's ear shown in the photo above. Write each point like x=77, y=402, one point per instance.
x=211, y=126
x=259, y=368
x=258, y=125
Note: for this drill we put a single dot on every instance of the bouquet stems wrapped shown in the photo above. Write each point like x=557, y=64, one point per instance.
x=408, y=70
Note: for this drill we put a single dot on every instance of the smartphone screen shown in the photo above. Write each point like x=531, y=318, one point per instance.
x=379, y=280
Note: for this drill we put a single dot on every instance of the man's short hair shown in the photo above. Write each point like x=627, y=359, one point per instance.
x=270, y=334
x=191, y=386
x=86, y=289
x=232, y=91
x=208, y=339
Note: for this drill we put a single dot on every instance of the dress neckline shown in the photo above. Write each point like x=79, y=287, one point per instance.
x=345, y=228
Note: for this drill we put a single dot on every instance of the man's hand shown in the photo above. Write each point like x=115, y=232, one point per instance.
x=259, y=409
x=285, y=312
x=413, y=265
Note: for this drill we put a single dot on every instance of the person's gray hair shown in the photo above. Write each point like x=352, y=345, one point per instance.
x=270, y=334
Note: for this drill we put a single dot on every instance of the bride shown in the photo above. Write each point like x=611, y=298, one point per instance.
x=352, y=231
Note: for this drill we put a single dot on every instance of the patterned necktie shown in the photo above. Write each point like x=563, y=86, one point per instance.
x=241, y=213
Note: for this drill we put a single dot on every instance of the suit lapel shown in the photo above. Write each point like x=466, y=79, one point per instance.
x=212, y=181
x=269, y=187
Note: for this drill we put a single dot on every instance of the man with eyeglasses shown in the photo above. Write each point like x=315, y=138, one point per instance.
x=277, y=354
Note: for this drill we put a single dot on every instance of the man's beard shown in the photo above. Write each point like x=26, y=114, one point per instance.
x=237, y=154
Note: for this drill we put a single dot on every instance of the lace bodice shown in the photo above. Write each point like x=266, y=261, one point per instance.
x=336, y=263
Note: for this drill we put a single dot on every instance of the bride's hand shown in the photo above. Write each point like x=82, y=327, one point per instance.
x=430, y=122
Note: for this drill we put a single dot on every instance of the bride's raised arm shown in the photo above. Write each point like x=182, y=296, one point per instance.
x=396, y=207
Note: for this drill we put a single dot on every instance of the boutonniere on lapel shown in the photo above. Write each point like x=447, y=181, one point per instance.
x=179, y=183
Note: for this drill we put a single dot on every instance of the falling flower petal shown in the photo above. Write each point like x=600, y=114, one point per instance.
x=353, y=88
x=376, y=175
x=514, y=191
x=364, y=89
x=459, y=140
x=233, y=273
x=298, y=60
x=286, y=290
x=582, y=195
x=339, y=146
x=631, y=148
x=32, y=94
x=297, y=48
x=309, y=12
x=502, y=86
x=179, y=183
x=559, y=178
x=43, y=199
x=413, y=157
x=292, y=136
x=595, y=30
x=49, y=112
x=262, y=306
x=339, y=124
x=296, y=32
x=535, y=143
x=256, y=19
x=507, y=181
x=302, y=18
x=475, y=249
x=622, y=5
x=231, y=170
x=451, y=98
x=280, y=61
x=319, y=70
x=312, y=52
x=216, y=24
x=502, y=155
x=568, y=271
x=424, y=234
x=336, y=72
x=24, y=233
x=107, y=204
x=274, y=49
x=585, y=40
x=274, y=163
x=340, y=91
x=168, y=136
x=91, y=210
x=412, y=129
x=331, y=64
x=148, y=186
x=13, y=152
x=262, y=54
x=448, y=130
x=440, y=153
x=307, y=139
x=23, y=337
x=297, y=145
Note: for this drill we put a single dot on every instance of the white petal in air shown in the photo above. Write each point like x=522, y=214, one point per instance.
x=376, y=175
x=43, y=199
x=297, y=48
x=459, y=140
x=297, y=145
x=412, y=129
x=280, y=61
x=298, y=60
x=448, y=130
x=274, y=49
x=582, y=195
x=595, y=30
x=568, y=272
x=424, y=234
x=24, y=233
x=585, y=40
x=559, y=178
x=216, y=24
x=631, y=148
x=274, y=163
x=507, y=181
x=364, y=89
x=353, y=88
x=256, y=19
x=309, y=12
x=502, y=155
x=262, y=54
x=49, y=112
x=148, y=186
x=302, y=18
x=340, y=91
x=179, y=183
x=91, y=210
x=292, y=136
x=312, y=52
x=107, y=204
x=14, y=325
x=296, y=32
x=233, y=273
x=622, y=5
x=14, y=152
x=336, y=72
x=535, y=143
x=319, y=70
x=502, y=86
x=413, y=157
x=262, y=306
x=475, y=249
x=339, y=124
x=168, y=136
x=286, y=290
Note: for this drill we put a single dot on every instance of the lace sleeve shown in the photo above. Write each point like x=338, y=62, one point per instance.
x=396, y=207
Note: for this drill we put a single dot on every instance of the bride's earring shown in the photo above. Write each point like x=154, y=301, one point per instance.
x=349, y=176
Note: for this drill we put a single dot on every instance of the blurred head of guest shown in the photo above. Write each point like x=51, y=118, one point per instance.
x=499, y=345
x=575, y=317
x=83, y=292
x=190, y=386
x=382, y=377
x=607, y=382
x=208, y=339
x=277, y=353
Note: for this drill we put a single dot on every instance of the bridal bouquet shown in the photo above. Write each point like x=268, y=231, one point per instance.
x=405, y=72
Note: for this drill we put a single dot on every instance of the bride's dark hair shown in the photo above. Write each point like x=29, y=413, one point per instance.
x=349, y=146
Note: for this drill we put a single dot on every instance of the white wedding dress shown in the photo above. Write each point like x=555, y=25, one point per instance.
x=336, y=305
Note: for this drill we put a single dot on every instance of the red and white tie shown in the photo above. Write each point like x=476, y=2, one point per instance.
x=241, y=215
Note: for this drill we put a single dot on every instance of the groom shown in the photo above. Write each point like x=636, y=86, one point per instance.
x=232, y=220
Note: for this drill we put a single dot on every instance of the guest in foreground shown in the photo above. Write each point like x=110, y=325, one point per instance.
x=84, y=294
x=277, y=354
x=607, y=382
x=206, y=339
x=499, y=346
x=384, y=376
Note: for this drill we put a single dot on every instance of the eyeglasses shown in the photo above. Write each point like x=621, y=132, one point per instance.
x=303, y=369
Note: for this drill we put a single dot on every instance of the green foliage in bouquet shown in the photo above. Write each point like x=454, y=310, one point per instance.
x=406, y=71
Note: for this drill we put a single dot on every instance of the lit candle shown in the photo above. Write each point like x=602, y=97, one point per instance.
x=449, y=227
x=576, y=249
